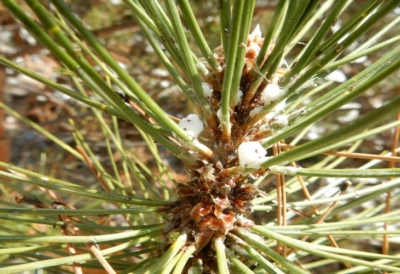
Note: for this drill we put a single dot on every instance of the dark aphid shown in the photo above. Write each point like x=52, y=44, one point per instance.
x=58, y=205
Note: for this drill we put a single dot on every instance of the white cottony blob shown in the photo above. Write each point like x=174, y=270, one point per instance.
x=272, y=93
x=337, y=76
x=207, y=90
x=256, y=32
x=255, y=111
x=192, y=125
x=337, y=26
x=360, y=60
x=238, y=98
x=251, y=154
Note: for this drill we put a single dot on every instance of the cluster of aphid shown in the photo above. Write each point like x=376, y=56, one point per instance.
x=214, y=202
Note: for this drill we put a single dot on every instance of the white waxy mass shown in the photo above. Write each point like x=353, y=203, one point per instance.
x=272, y=93
x=192, y=125
x=207, y=90
x=251, y=154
